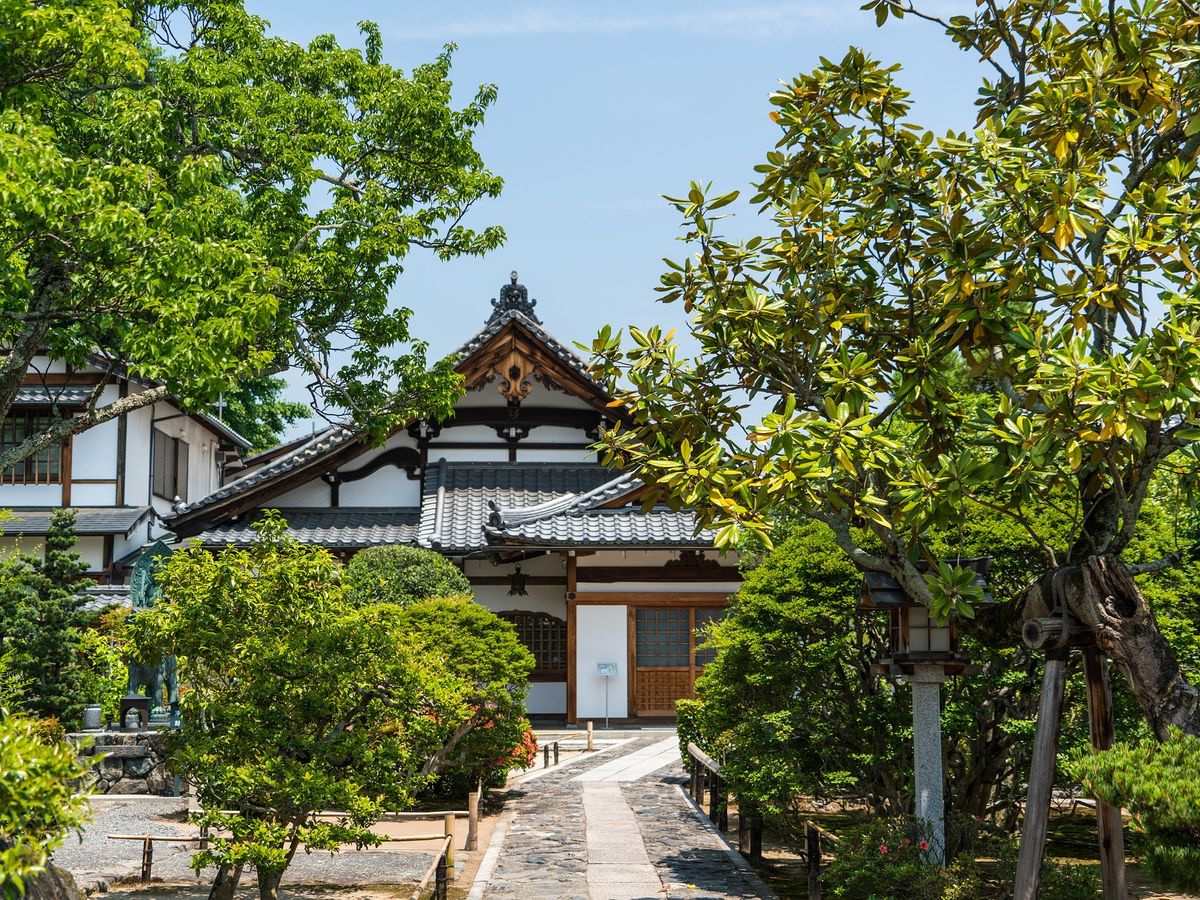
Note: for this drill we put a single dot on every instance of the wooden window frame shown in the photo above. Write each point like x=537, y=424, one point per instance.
x=526, y=622
x=52, y=459
x=173, y=466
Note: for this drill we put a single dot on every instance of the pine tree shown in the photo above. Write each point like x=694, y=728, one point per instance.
x=39, y=621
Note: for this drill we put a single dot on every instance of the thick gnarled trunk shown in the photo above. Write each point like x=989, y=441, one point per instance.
x=1102, y=594
x=225, y=885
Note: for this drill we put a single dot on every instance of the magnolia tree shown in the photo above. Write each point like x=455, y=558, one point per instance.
x=1052, y=246
x=191, y=200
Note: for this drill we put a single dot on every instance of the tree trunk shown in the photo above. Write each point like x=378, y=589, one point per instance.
x=224, y=886
x=1102, y=594
x=268, y=885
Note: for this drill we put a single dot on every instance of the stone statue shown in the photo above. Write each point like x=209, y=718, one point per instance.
x=159, y=678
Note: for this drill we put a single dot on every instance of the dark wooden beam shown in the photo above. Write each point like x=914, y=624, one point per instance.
x=606, y=574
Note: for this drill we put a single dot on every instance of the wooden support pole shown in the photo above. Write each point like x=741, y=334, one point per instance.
x=812, y=850
x=448, y=826
x=556, y=753
x=472, y=821
x=147, y=857
x=756, y=830
x=714, y=794
x=743, y=828
x=546, y=756
x=1041, y=777
x=1108, y=817
x=441, y=879
x=723, y=810
x=591, y=746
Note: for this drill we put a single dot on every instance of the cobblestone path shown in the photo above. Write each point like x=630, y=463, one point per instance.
x=615, y=826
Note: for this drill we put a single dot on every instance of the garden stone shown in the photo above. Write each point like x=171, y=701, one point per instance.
x=129, y=786
x=53, y=884
x=139, y=768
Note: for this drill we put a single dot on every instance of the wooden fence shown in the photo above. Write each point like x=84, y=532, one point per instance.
x=705, y=779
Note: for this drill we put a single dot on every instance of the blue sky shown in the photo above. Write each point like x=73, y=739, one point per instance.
x=602, y=109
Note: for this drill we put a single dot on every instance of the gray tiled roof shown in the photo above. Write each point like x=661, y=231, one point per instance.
x=51, y=394
x=561, y=350
x=455, y=506
x=575, y=520
x=318, y=445
x=88, y=520
x=99, y=596
x=343, y=526
x=628, y=526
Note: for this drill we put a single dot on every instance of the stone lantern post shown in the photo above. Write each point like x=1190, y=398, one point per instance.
x=922, y=653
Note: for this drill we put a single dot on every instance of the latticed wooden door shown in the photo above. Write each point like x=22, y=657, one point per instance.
x=665, y=655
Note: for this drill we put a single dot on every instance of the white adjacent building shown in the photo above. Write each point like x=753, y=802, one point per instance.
x=508, y=488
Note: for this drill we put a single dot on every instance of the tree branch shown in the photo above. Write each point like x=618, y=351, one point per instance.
x=65, y=428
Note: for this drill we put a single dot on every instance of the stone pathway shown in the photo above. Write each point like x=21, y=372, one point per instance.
x=616, y=826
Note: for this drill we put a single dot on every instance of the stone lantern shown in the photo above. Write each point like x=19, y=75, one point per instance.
x=923, y=653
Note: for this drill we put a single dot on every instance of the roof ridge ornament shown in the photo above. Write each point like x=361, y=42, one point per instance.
x=513, y=298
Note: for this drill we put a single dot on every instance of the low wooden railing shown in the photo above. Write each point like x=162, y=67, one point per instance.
x=705, y=778
x=813, y=834
x=439, y=870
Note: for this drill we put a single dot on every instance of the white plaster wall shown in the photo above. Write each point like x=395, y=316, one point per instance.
x=542, y=598
x=546, y=698
x=137, y=455
x=388, y=486
x=89, y=547
x=94, y=451
x=93, y=495
x=460, y=433
x=43, y=364
x=30, y=495
x=312, y=494
x=601, y=635
x=498, y=455
x=556, y=456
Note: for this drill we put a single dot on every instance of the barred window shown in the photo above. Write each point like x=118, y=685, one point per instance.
x=169, y=466
x=43, y=467
x=546, y=638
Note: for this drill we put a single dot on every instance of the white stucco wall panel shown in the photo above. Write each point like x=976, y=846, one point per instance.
x=29, y=495
x=387, y=486
x=546, y=698
x=601, y=635
x=310, y=495
x=93, y=494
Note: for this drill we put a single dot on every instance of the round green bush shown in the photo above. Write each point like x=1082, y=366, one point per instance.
x=403, y=575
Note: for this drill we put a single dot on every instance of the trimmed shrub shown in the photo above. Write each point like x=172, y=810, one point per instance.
x=402, y=575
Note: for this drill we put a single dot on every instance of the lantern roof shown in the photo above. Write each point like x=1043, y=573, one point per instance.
x=881, y=591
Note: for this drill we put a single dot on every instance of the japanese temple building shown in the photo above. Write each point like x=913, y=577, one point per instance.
x=607, y=596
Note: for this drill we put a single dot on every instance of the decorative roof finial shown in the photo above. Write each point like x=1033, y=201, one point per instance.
x=513, y=298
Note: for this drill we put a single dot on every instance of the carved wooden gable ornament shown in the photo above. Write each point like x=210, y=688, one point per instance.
x=513, y=352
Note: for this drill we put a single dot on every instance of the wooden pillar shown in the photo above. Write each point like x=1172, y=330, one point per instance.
x=812, y=849
x=1041, y=777
x=448, y=830
x=1108, y=817
x=472, y=821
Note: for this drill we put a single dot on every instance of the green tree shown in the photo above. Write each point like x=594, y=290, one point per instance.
x=486, y=737
x=1160, y=785
x=1051, y=247
x=40, y=618
x=403, y=575
x=296, y=701
x=186, y=197
x=38, y=803
x=256, y=410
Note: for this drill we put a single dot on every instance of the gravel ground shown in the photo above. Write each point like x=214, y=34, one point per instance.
x=96, y=857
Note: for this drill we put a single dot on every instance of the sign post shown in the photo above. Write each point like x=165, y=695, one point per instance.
x=606, y=670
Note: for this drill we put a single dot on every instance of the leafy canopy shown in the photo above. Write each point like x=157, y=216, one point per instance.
x=186, y=196
x=1052, y=246
x=403, y=575
x=296, y=700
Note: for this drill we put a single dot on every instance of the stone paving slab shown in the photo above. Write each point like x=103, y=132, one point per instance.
x=621, y=830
